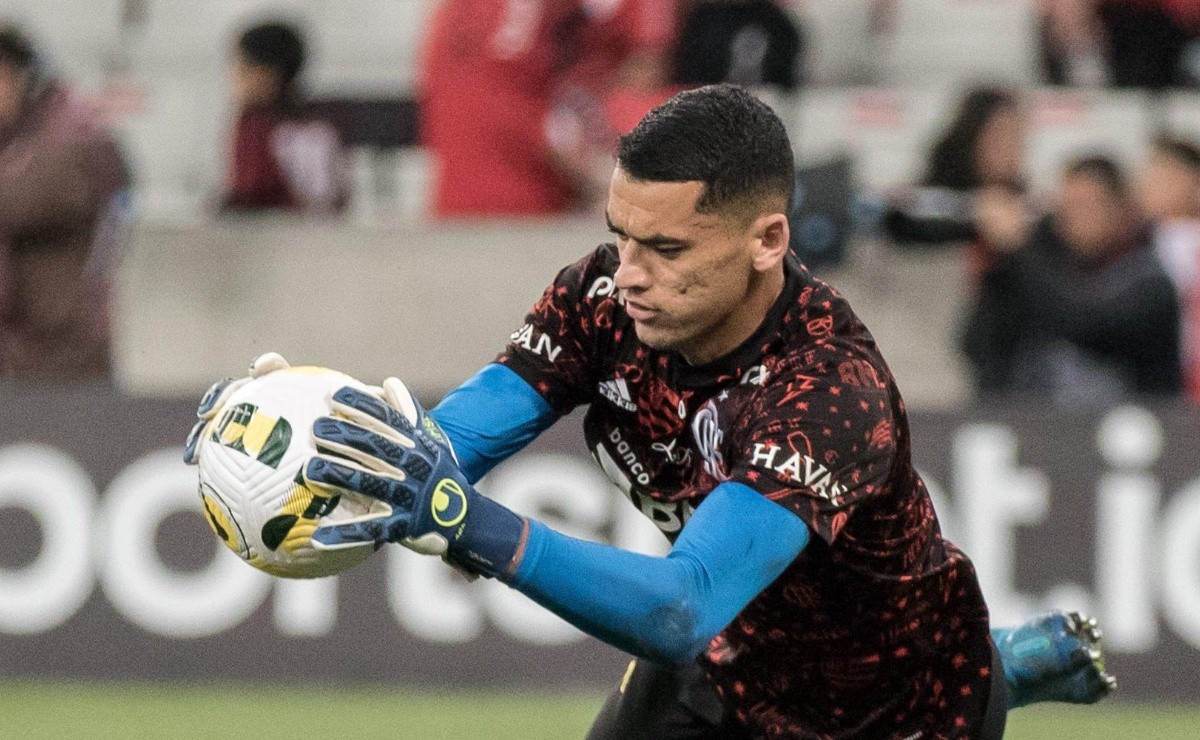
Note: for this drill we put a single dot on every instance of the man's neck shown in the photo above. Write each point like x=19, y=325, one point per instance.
x=764, y=290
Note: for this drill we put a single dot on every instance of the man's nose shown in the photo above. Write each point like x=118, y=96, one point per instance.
x=631, y=273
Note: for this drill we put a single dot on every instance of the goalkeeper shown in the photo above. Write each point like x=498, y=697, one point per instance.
x=741, y=405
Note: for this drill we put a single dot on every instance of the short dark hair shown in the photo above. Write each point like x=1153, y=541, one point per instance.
x=276, y=45
x=719, y=135
x=1179, y=149
x=953, y=161
x=16, y=50
x=1102, y=169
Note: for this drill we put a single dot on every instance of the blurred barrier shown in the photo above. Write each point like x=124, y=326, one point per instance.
x=107, y=570
x=432, y=304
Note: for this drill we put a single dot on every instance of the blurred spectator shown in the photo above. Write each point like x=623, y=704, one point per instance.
x=1170, y=187
x=1170, y=196
x=282, y=158
x=974, y=168
x=63, y=203
x=514, y=96
x=1126, y=43
x=1081, y=313
x=752, y=43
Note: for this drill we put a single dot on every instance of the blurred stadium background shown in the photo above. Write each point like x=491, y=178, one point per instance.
x=119, y=617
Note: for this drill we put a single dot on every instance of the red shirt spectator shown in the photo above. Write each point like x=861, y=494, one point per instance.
x=492, y=71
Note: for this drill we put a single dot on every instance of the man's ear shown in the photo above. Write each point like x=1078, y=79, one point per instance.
x=772, y=237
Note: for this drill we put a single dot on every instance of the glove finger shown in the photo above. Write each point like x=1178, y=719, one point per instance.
x=373, y=451
x=429, y=433
x=339, y=475
x=191, y=447
x=214, y=398
x=267, y=363
x=356, y=534
x=398, y=396
x=372, y=412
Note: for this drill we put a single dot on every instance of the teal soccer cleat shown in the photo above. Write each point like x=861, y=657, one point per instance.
x=1054, y=657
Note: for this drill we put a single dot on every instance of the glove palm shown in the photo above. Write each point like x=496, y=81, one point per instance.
x=388, y=448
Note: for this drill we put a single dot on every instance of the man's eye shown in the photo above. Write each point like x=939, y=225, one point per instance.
x=669, y=252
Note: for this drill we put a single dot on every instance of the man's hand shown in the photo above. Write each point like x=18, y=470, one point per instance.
x=1003, y=218
x=215, y=397
x=386, y=447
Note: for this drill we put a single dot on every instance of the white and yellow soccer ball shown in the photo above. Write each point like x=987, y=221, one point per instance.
x=251, y=458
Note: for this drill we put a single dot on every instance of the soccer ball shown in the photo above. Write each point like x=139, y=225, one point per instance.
x=251, y=458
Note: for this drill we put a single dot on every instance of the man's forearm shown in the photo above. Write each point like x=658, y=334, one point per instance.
x=665, y=608
x=491, y=417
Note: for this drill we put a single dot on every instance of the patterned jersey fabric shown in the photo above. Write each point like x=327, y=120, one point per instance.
x=878, y=629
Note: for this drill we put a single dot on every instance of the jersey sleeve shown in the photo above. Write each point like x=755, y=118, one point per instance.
x=559, y=348
x=819, y=438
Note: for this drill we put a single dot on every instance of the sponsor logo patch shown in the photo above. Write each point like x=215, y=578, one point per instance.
x=800, y=468
x=536, y=342
x=448, y=503
x=708, y=434
x=616, y=391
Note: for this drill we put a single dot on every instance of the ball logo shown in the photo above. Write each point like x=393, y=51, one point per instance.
x=449, y=503
x=217, y=514
x=246, y=429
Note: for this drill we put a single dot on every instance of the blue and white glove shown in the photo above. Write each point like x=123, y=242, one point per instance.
x=386, y=447
x=215, y=397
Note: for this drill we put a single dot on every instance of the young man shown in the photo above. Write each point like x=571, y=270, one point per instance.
x=743, y=407
x=281, y=158
x=64, y=205
x=1080, y=313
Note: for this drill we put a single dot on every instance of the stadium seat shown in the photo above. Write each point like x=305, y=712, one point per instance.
x=367, y=45
x=887, y=131
x=1182, y=114
x=176, y=142
x=839, y=45
x=952, y=42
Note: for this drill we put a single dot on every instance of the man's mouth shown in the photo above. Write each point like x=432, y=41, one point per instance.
x=638, y=311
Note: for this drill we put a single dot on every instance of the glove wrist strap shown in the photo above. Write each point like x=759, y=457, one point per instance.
x=489, y=538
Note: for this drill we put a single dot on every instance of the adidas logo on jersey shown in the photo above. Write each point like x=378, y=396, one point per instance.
x=617, y=392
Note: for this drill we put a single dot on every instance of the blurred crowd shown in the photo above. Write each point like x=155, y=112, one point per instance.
x=1086, y=295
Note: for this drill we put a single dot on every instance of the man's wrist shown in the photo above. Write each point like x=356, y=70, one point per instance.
x=490, y=538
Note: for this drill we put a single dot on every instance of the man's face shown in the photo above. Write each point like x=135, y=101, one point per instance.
x=1169, y=189
x=1091, y=218
x=685, y=276
x=1000, y=151
x=253, y=84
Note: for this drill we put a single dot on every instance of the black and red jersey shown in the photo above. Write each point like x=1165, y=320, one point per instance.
x=879, y=628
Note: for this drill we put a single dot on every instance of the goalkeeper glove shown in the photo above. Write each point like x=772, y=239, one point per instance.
x=215, y=397
x=389, y=449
